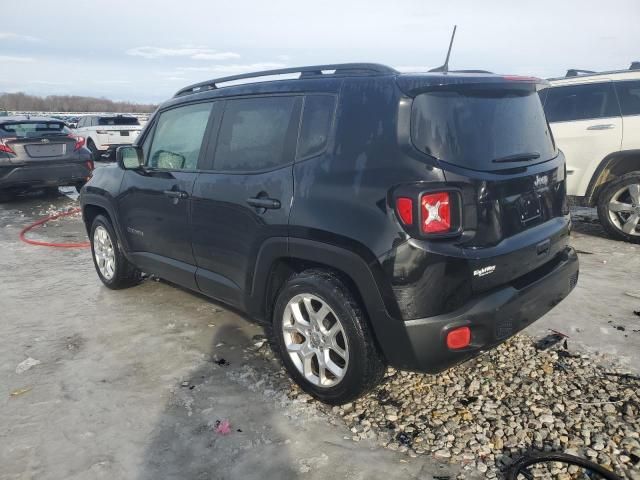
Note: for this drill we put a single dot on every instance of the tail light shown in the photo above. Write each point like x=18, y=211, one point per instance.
x=79, y=142
x=6, y=148
x=435, y=212
x=404, y=207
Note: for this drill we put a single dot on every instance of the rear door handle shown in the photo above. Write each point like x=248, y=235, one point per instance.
x=603, y=126
x=176, y=194
x=264, y=202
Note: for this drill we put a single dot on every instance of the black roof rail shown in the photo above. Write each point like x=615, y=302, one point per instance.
x=635, y=66
x=574, y=72
x=305, y=72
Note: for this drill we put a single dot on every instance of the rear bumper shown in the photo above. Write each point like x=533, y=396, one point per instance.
x=110, y=152
x=492, y=317
x=29, y=176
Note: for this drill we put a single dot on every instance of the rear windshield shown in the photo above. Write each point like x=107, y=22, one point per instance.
x=118, y=121
x=482, y=128
x=33, y=129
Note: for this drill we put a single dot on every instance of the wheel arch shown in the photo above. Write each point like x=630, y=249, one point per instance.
x=277, y=261
x=612, y=166
x=94, y=205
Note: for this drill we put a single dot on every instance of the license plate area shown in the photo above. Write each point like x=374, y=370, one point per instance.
x=529, y=208
x=124, y=133
x=46, y=150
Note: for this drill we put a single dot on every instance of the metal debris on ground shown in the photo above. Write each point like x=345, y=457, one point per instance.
x=550, y=340
x=20, y=391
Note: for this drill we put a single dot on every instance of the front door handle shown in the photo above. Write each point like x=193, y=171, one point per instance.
x=263, y=202
x=602, y=126
x=176, y=194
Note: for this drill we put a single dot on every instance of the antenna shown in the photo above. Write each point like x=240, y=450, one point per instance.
x=445, y=68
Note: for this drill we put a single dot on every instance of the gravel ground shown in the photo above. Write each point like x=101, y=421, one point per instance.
x=524, y=398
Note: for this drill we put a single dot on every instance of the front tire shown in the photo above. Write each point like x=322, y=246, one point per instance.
x=323, y=339
x=619, y=208
x=115, y=271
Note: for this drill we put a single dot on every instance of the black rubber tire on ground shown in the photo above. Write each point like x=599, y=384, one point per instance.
x=366, y=366
x=603, y=206
x=125, y=273
x=95, y=153
x=521, y=464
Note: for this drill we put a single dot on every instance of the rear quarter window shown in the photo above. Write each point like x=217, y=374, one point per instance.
x=629, y=95
x=581, y=102
x=317, y=118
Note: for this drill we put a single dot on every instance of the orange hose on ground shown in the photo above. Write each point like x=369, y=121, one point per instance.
x=52, y=244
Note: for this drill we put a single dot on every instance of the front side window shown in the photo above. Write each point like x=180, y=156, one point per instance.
x=257, y=134
x=178, y=137
x=317, y=118
x=629, y=95
x=581, y=102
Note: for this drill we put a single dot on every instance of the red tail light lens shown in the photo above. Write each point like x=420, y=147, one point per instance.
x=435, y=212
x=79, y=142
x=6, y=148
x=458, y=338
x=404, y=207
x=90, y=165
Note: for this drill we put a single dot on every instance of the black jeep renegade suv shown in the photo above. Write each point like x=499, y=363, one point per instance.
x=367, y=217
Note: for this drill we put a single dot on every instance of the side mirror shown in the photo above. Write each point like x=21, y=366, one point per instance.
x=129, y=157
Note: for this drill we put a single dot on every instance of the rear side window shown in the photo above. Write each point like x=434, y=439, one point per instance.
x=257, y=134
x=178, y=137
x=629, y=95
x=317, y=118
x=481, y=127
x=105, y=121
x=581, y=102
x=34, y=129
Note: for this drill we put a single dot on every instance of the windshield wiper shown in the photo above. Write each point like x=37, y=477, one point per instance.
x=520, y=157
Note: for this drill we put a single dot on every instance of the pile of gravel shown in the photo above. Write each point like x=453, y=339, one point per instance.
x=492, y=409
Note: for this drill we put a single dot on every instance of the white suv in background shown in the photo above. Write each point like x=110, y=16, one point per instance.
x=104, y=133
x=595, y=119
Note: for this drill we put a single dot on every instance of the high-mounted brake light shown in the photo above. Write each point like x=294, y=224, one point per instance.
x=435, y=212
x=79, y=142
x=404, y=207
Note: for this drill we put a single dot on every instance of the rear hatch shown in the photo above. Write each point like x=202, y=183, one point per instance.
x=117, y=130
x=37, y=141
x=492, y=140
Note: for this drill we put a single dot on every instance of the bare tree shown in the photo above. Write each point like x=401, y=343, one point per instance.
x=68, y=103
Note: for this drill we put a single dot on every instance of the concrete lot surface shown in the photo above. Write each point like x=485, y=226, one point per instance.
x=132, y=384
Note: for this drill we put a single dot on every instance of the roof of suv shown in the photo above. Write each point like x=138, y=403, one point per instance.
x=576, y=76
x=406, y=80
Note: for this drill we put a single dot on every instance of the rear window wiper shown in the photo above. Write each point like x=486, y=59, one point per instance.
x=520, y=157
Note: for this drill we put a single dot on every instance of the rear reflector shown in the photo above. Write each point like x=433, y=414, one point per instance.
x=79, y=142
x=404, y=207
x=459, y=338
x=435, y=212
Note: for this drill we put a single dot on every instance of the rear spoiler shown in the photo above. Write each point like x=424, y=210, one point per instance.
x=417, y=83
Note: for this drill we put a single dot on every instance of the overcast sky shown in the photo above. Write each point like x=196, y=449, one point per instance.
x=145, y=50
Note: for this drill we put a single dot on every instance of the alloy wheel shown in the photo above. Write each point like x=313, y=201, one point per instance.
x=315, y=340
x=624, y=209
x=103, y=252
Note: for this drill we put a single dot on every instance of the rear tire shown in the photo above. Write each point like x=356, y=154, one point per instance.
x=619, y=208
x=335, y=364
x=115, y=271
x=5, y=197
x=95, y=153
